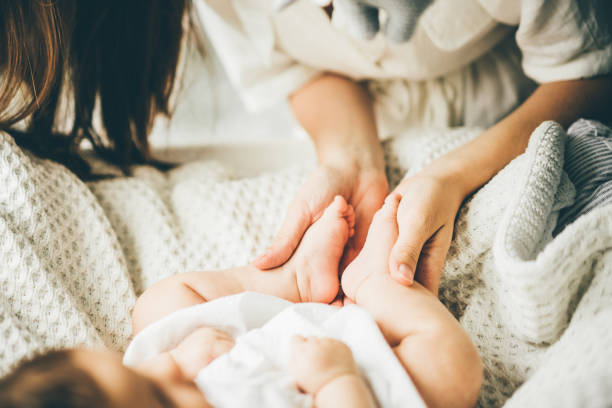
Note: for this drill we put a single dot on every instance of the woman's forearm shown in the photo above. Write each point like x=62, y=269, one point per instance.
x=473, y=164
x=337, y=113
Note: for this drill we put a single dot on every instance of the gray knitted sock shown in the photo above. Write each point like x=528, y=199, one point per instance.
x=361, y=17
x=588, y=163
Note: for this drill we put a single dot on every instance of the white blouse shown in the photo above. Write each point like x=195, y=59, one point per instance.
x=268, y=54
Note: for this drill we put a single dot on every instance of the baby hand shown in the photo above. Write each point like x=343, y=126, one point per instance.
x=315, y=362
x=201, y=347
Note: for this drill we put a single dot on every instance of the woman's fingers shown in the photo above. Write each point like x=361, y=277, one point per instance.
x=432, y=258
x=413, y=233
x=421, y=247
x=296, y=222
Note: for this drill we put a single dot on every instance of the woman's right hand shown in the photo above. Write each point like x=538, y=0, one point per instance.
x=364, y=188
x=337, y=113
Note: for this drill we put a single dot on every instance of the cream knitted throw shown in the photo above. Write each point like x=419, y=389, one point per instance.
x=74, y=256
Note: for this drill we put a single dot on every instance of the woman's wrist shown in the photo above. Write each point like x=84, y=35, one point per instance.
x=338, y=115
x=357, y=154
x=455, y=183
x=452, y=173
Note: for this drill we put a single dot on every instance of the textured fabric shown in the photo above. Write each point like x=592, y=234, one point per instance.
x=564, y=39
x=74, y=256
x=416, y=84
x=269, y=55
x=589, y=166
x=361, y=18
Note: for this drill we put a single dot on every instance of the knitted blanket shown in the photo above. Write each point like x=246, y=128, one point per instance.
x=74, y=257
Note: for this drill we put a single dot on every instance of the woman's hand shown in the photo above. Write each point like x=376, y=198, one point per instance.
x=364, y=188
x=426, y=218
x=337, y=113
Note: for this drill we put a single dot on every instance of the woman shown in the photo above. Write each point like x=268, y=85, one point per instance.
x=506, y=66
x=462, y=67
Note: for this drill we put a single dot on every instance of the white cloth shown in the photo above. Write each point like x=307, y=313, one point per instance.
x=269, y=55
x=74, y=256
x=256, y=371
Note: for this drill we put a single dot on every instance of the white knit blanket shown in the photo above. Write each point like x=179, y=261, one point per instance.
x=74, y=256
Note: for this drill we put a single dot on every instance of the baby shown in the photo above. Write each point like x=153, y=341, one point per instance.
x=435, y=351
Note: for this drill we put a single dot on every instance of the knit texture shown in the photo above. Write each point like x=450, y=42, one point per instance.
x=588, y=152
x=361, y=18
x=74, y=256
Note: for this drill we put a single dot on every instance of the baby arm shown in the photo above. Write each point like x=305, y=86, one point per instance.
x=325, y=368
x=192, y=288
x=192, y=354
x=431, y=345
x=319, y=253
x=434, y=349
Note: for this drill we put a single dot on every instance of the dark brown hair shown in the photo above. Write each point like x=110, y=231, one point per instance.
x=120, y=54
x=51, y=381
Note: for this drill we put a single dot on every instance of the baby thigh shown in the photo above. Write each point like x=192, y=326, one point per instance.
x=438, y=354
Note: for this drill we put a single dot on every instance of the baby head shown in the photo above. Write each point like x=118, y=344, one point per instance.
x=86, y=379
x=98, y=379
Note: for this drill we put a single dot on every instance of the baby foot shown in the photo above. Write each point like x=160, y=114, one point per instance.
x=316, y=259
x=374, y=257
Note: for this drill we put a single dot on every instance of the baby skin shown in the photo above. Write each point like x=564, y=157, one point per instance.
x=311, y=275
x=436, y=352
x=77, y=378
x=321, y=367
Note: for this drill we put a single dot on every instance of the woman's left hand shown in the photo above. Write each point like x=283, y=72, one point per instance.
x=426, y=218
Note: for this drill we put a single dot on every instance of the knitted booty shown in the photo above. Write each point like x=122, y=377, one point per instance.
x=360, y=18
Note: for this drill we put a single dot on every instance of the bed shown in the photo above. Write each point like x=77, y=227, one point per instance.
x=74, y=256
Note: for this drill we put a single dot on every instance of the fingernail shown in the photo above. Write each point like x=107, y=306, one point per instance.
x=406, y=272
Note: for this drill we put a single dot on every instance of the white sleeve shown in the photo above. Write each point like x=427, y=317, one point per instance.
x=243, y=35
x=565, y=39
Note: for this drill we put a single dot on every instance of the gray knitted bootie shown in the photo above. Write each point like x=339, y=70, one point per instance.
x=361, y=18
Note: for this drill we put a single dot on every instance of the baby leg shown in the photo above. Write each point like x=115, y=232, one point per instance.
x=311, y=275
x=433, y=348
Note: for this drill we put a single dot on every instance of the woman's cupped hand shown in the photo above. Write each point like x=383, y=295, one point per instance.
x=363, y=188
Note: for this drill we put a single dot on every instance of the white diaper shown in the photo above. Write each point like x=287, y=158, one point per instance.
x=255, y=372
